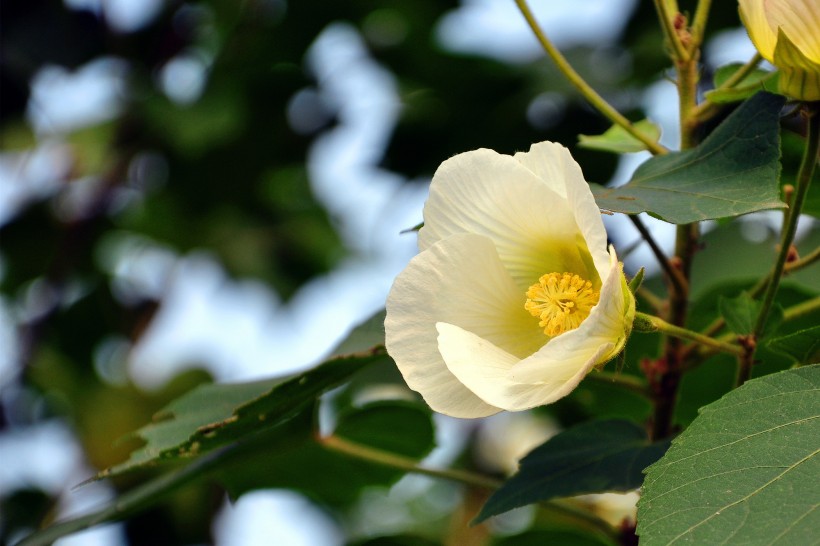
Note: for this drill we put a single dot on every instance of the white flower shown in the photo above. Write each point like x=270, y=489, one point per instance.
x=513, y=298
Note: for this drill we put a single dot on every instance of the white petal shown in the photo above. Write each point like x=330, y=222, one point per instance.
x=551, y=373
x=486, y=370
x=553, y=164
x=494, y=195
x=459, y=280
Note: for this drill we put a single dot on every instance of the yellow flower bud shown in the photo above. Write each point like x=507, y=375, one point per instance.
x=787, y=34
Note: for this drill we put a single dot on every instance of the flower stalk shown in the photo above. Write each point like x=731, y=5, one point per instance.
x=650, y=323
x=804, y=176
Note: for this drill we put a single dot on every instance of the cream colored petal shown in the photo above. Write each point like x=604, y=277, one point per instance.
x=800, y=20
x=486, y=369
x=761, y=31
x=494, y=195
x=459, y=280
x=502, y=380
x=553, y=164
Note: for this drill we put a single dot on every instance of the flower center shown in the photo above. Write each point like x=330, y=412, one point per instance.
x=562, y=301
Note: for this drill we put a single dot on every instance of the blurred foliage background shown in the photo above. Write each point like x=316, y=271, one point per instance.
x=209, y=148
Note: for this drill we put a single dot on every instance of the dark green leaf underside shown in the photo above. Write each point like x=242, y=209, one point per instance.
x=734, y=171
x=746, y=471
x=606, y=455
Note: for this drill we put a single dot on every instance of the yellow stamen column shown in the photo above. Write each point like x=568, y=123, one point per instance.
x=562, y=301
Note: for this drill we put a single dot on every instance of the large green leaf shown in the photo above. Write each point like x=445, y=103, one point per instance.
x=595, y=457
x=733, y=172
x=212, y=416
x=746, y=471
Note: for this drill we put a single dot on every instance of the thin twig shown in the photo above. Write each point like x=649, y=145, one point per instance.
x=679, y=52
x=392, y=460
x=671, y=271
x=804, y=176
x=590, y=94
x=699, y=25
x=706, y=109
x=627, y=382
x=801, y=309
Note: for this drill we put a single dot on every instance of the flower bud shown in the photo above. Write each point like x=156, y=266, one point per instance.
x=787, y=34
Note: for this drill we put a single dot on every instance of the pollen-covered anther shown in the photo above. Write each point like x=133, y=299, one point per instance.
x=562, y=301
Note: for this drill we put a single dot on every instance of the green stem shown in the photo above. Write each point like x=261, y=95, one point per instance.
x=804, y=176
x=742, y=72
x=699, y=25
x=391, y=460
x=687, y=100
x=589, y=94
x=801, y=309
x=807, y=260
x=657, y=324
x=128, y=503
x=627, y=382
x=384, y=458
x=679, y=52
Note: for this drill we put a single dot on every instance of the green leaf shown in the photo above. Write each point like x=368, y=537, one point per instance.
x=617, y=140
x=733, y=172
x=745, y=472
x=757, y=80
x=600, y=456
x=741, y=314
x=802, y=346
x=637, y=280
x=212, y=416
x=176, y=423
